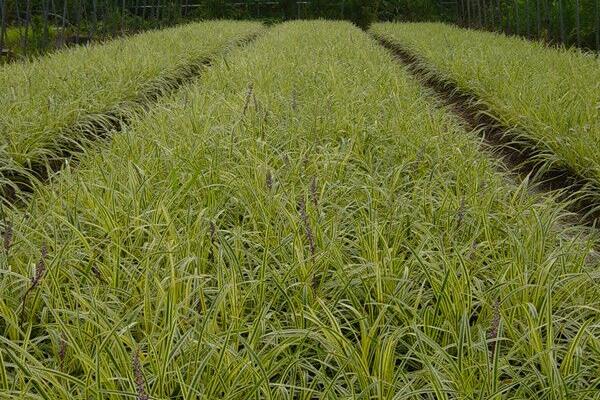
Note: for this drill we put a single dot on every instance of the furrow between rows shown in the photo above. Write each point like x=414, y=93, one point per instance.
x=523, y=157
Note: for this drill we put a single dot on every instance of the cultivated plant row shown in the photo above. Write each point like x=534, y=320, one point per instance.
x=300, y=223
x=62, y=101
x=550, y=97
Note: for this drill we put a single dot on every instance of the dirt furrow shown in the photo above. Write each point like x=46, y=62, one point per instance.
x=524, y=158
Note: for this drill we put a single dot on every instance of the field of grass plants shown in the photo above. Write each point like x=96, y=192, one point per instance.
x=302, y=221
x=75, y=95
x=548, y=96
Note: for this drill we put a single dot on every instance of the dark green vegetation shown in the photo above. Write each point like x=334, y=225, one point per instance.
x=572, y=22
x=301, y=222
x=31, y=27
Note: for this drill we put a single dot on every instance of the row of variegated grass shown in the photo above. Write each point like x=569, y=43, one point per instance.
x=550, y=97
x=68, y=98
x=302, y=223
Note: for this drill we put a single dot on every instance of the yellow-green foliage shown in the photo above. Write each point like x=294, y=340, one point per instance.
x=49, y=102
x=550, y=96
x=301, y=223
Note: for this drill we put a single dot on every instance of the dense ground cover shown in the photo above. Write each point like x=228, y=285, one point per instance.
x=57, y=101
x=301, y=223
x=549, y=96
